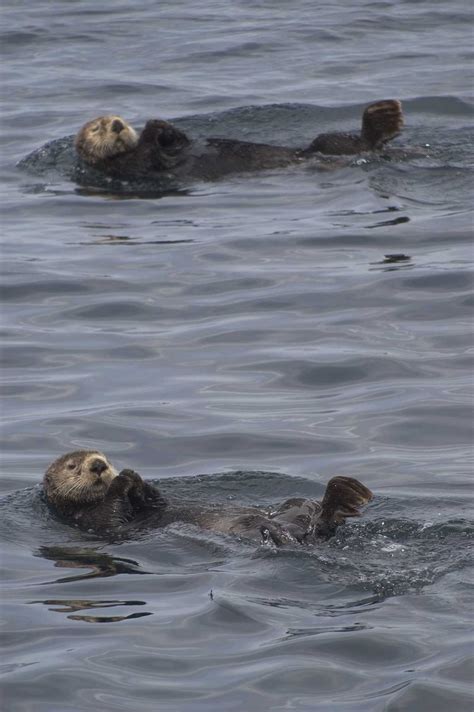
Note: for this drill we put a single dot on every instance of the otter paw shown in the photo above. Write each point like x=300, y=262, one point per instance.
x=131, y=475
x=151, y=495
x=141, y=495
x=124, y=482
x=275, y=534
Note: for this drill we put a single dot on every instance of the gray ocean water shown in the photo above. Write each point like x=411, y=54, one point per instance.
x=241, y=340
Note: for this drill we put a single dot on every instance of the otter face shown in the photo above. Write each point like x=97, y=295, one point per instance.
x=103, y=138
x=78, y=478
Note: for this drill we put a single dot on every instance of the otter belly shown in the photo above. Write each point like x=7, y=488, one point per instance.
x=221, y=157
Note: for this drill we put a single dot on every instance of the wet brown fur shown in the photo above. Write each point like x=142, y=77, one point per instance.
x=103, y=138
x=84, y=489
x=74, y=478
x=381, y=122
x=163, y=149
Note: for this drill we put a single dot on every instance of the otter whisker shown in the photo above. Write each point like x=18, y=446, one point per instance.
x=76, y=490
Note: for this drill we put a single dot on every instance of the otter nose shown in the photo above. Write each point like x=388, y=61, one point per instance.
x=117, y=126
x=98, y=467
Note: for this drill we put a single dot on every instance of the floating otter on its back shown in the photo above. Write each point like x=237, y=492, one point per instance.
x=111, y=146
x=85, y=490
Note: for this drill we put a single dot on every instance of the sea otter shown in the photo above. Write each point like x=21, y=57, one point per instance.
x=111, y=146
x=84, y=489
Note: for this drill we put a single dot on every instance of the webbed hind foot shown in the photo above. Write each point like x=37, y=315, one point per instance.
x=342, y=499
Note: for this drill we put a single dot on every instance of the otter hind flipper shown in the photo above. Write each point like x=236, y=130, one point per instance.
x=381, y=122
x=342, y=499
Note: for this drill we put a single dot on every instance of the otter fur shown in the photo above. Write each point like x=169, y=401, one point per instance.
x=381, y=122
x=84, y=489
x=104, y=137
x=111, y=146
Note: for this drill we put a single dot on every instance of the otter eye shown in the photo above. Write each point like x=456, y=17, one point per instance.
x=94, y=129
x=70, y=465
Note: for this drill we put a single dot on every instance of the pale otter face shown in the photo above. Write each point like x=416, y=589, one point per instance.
x=105, y=137
x=78, y=478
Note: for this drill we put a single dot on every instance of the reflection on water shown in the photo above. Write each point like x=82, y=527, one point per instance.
x=99, y=563
x=108, y=619
x=391, y=259
x=123, y=240
x=66, y=606
x=395, y=221
x=394, y=262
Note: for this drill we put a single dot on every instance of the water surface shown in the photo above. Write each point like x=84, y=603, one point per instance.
x=241, y=340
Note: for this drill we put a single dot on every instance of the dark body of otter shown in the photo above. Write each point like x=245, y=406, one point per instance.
x=83, y=489
x=163, y=149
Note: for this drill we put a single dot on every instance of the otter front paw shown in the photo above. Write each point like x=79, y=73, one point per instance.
x=152, y=497
x=142, y=496
x=124, y=483
x=131, y=475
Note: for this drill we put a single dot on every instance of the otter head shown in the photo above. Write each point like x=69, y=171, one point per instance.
x=104, y=138
x=78, y=478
